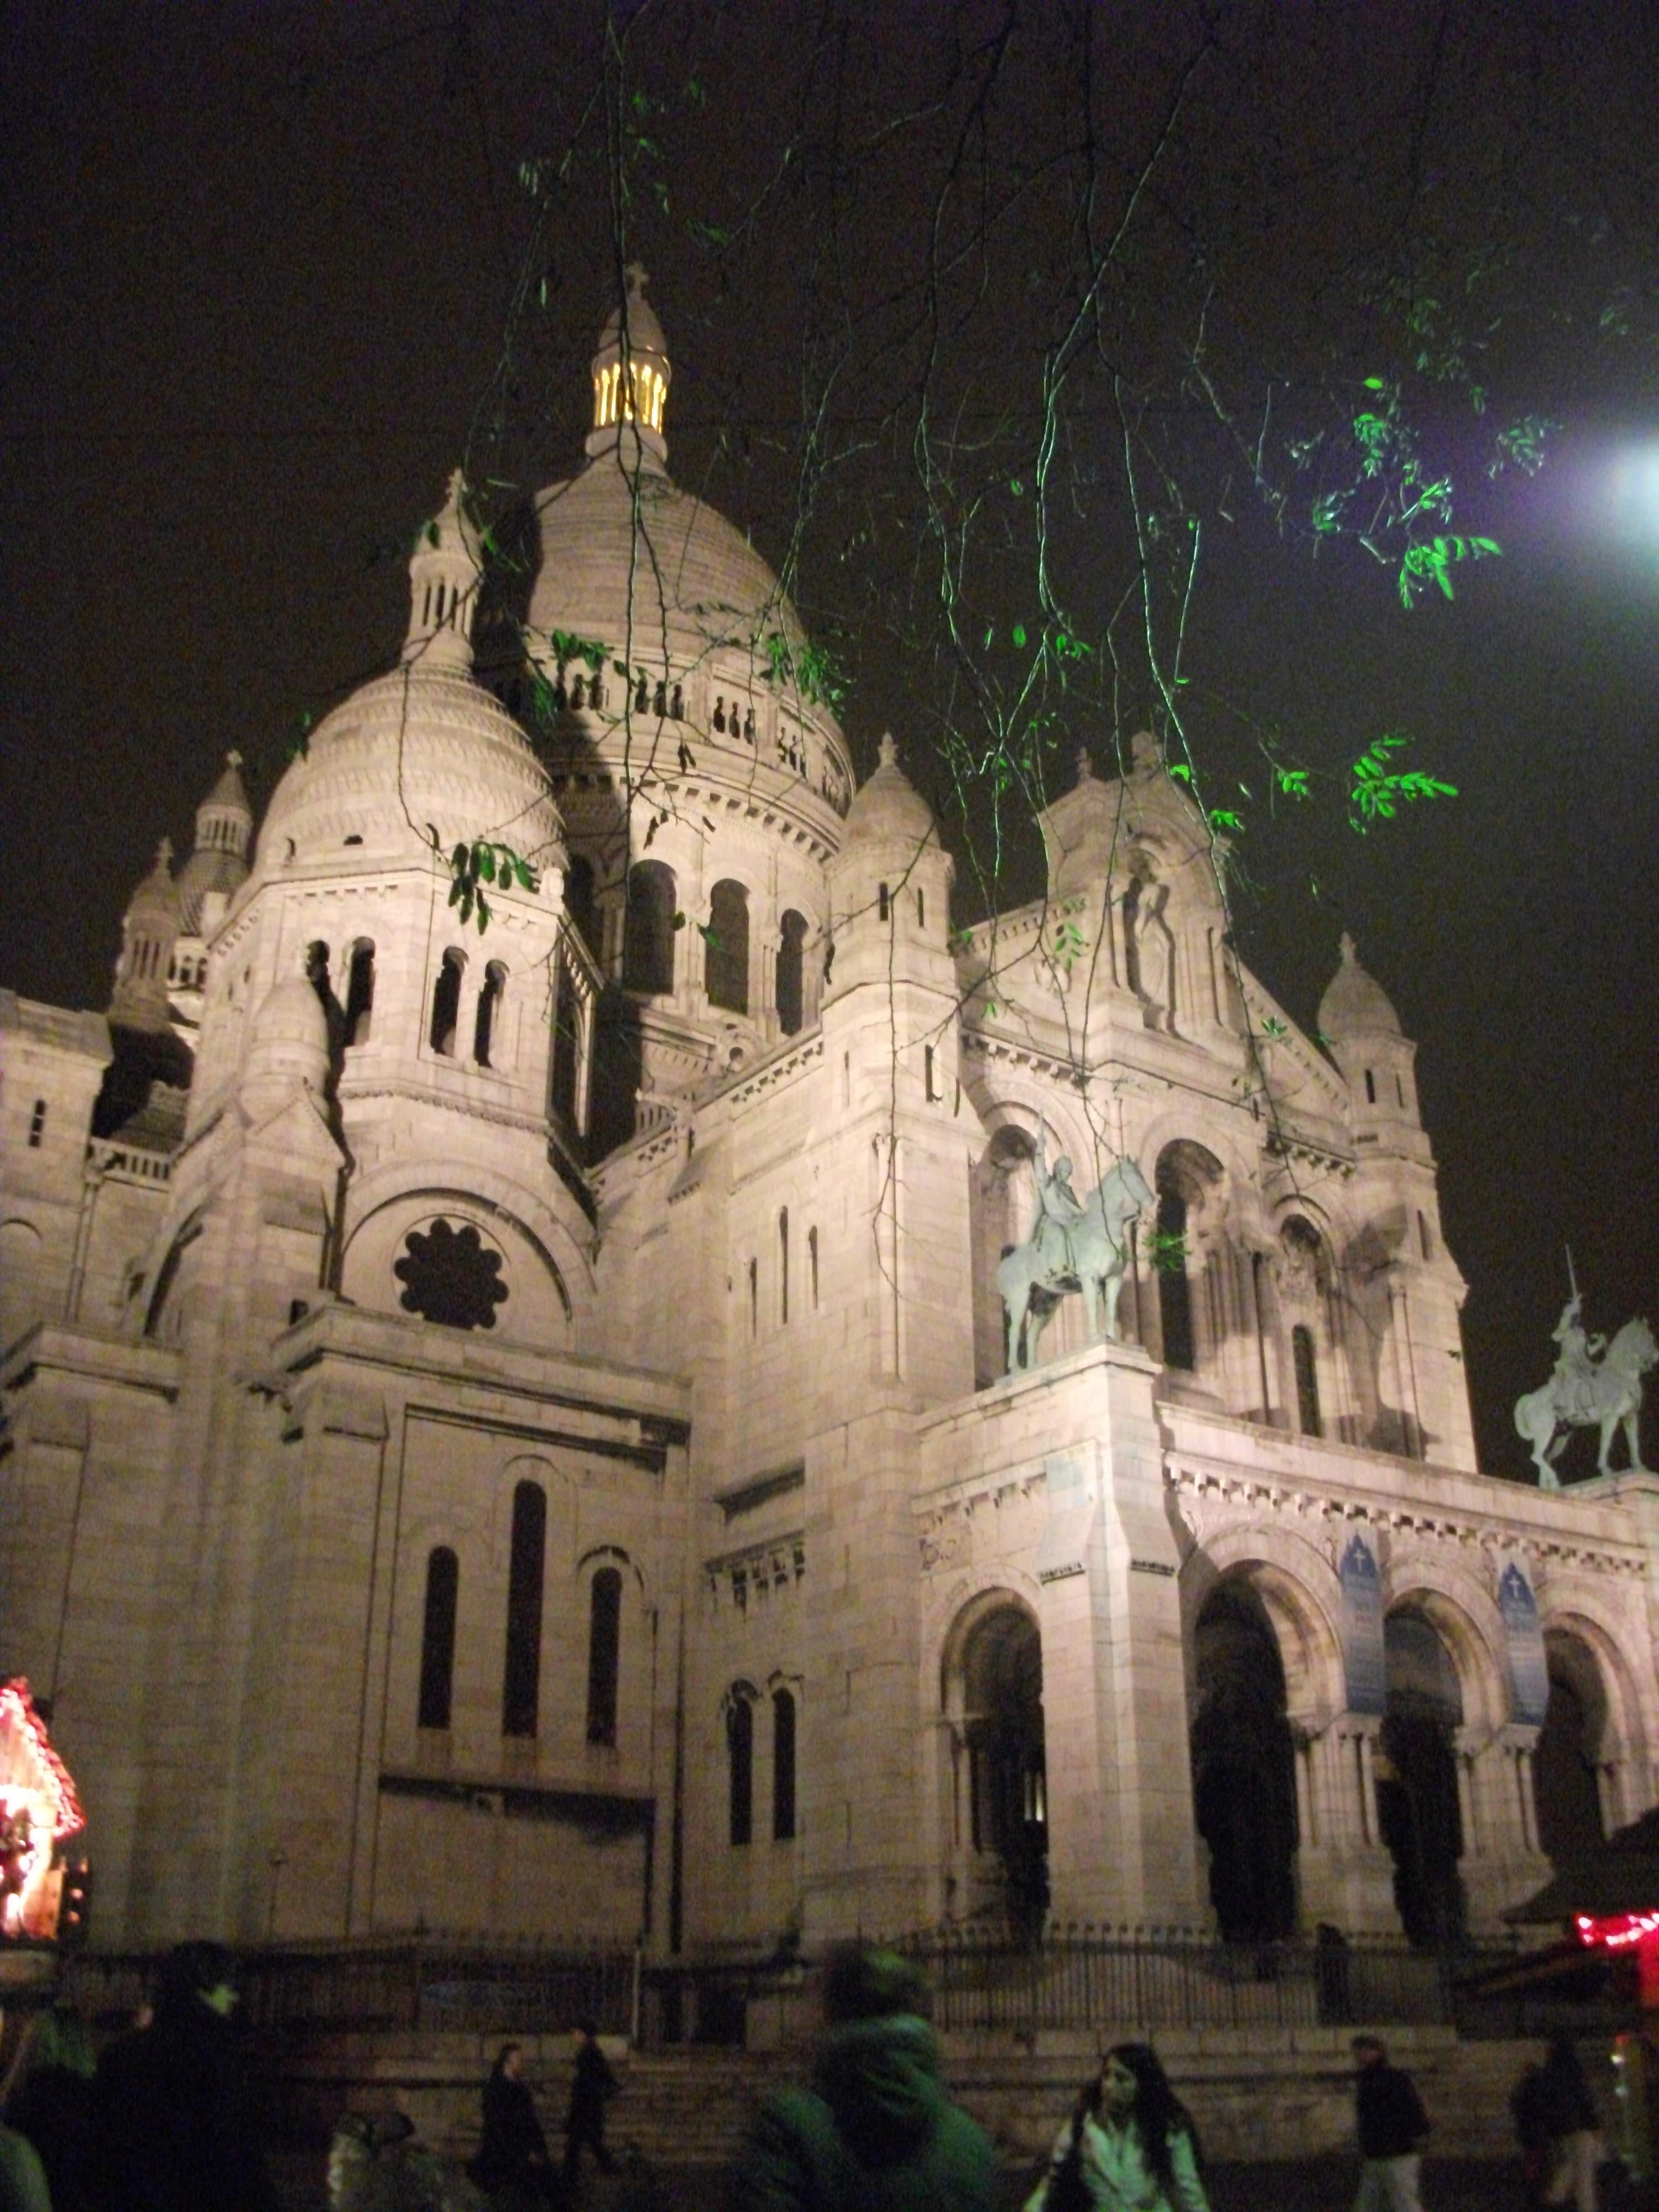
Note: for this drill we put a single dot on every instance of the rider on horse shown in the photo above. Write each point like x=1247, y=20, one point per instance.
x=1575, y=1368
x=1058, y=1207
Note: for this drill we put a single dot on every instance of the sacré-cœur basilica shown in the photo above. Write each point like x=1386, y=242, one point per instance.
x=514, y=1430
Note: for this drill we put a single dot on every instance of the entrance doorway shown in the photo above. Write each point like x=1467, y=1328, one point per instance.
x=1417, y=1805
x=1008, y=1780
x=1243, y=1770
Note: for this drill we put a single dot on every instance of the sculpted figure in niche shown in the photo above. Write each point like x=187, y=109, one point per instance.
x=1151, y=951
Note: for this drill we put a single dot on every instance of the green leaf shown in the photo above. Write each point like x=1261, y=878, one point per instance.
x=1019, y=634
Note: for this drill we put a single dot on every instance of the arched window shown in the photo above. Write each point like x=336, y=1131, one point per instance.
x=579, y=900
x=740, y=1761
x=443, y=1582
x=521, y=1681
x=485, y=1026
x=791, y=962
x=360, y=993
x=604, y=1655
x=1307, y=1380
x=447, y=1004
x=648, y=931
x=727, y=968
x=564, y=1084
x=1175, y=1291
x=783, y=1765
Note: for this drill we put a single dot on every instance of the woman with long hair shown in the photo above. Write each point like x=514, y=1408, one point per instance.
x=1129, y=2146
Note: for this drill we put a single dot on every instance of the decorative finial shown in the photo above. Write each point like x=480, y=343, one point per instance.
x=232, y=758
x=889, y=749
x=1350, y=950
x=636, y=276
x=164, y=852
x=1086, y=766
x=1145, y=751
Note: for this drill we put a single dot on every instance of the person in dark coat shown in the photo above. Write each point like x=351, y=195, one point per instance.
x=173, y=2125
x=513, y=2152
x=50, y=2099
x=1570, y=2124
x=592, y=2087
x=876, y=2132
x=1393, y=2126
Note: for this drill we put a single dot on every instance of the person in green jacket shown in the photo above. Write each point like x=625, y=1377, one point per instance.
x=876, y=2132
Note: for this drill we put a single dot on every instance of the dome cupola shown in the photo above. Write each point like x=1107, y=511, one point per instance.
x=444, y=572
x=1355, y=1004
x=288, y=1048
x=149, y=930
x=631, y=376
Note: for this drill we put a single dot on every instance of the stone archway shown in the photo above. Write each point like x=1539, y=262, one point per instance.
x=993, y=1694
x=1243, y=1766
x=1570, y=1750
x=1417, y=1803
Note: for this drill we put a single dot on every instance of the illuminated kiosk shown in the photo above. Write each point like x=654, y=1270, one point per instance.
x=42, y=1895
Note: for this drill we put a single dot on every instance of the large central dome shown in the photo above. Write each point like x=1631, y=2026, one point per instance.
x=702, y=652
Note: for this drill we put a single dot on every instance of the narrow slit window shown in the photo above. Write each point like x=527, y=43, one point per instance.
x=37, y=1124
x=360, y=993
x=604, y=1655
x=884, y=902
x=486, y=1027
x=783, y=1266
x=753, y=1298
x=1307, y=1380
x=1370, y=1088
x=443, y=1582
x=447, y=1004
x=812, y=1265
x=783, y=1765
x=521, y=1683
x=740, y=1762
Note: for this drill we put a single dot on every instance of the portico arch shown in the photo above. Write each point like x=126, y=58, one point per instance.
x=996, y=1814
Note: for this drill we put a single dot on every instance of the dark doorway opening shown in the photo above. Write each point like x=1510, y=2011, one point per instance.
x=1244, y=1769
x=1008, y=1776
x=1417, y=1807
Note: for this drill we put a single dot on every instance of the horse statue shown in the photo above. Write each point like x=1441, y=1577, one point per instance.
x=1607, y=1393
x=1084, y=1248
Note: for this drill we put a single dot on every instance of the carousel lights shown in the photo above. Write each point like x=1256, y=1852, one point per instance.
x=1615, y=1930
x=39, y=1811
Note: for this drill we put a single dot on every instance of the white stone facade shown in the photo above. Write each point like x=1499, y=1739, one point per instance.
x=521, y=1440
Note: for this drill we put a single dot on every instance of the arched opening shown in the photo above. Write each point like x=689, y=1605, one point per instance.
x=579, y=900
x=1188, y=1181
x=648, y=928
x=604, y=1655
x=486, y=1024
x=564, y=1080
x=1243, y=1767
x=1568, y=1752
x=792, y=968
x=1417, y=1805
x=360, y=993
x=1307, y=1380
x=521, y=1680
x=1002, y=1204
x=726, y=969
x=783, y=1765
x=1007, y=1777
x=443, y=1582
x=741, y=1766
x=447, y=1004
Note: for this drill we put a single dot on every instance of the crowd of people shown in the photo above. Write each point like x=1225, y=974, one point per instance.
x=161, y=2121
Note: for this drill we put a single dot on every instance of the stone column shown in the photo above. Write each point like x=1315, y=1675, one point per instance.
x=1343, y=1873
x=1501, y=1861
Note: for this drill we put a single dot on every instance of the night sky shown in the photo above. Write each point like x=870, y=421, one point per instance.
x=272, y=272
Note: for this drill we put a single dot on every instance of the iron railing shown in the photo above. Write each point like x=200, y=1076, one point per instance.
x=423, y=1984
x=1076, y=1977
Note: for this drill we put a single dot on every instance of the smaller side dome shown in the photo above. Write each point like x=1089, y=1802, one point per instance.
x=150, y=929
x=888, y=809
x=288, y=1046
x=1355, y=1004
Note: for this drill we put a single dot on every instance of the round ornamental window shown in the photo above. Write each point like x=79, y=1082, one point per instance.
x=451, y=1275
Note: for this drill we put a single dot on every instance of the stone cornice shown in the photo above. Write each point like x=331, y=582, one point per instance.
x=758, y=1570
x=1224, y=1495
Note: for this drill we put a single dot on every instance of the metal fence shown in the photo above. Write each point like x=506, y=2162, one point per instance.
x=1156, y=1980
x=1071, y=1978
x=410, y=1985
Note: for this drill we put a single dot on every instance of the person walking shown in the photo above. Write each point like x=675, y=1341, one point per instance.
x=1570, y=2124
x=50, y=2099
x=1129, y=2146
x=876, y=2132
x=592, y=2088
x=513, y=2152
x=1393, y=2127
x=174, y=2129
